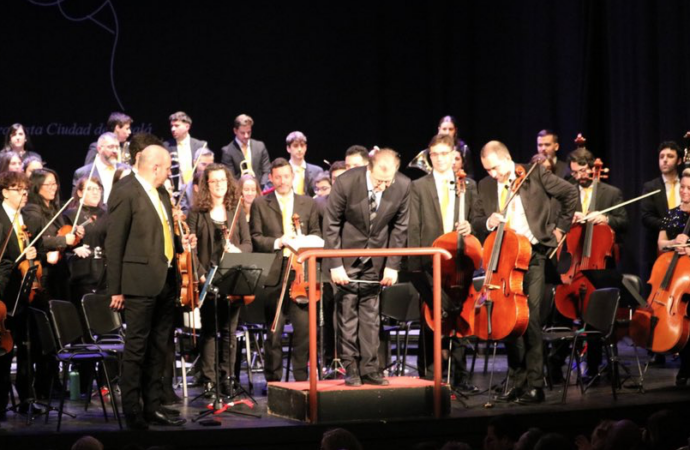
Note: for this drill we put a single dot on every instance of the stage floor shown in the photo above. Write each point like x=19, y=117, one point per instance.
x=467, y=421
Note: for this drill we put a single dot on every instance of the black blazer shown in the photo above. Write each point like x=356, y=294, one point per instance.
x=201, y=224
x=426, y=221
x=608, y=196
x=562, y=170
x=261, y=163
x=655, y=207
x=346, y=224
x=309, y=176
x=266, y=222
x=84, y=171
x=535, y=194
x=134, y=246
x=171, y=146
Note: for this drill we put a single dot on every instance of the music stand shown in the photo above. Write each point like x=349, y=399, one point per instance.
x=239, y=274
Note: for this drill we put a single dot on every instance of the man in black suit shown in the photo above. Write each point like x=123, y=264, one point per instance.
x=271, y=226
x=367, y=208
x=106, y=164
x=182, y=150
x=547, y=145
x=529, y=215
x=434, y=211
x=118, y=123
x=143, y=280
x=655, y=207
x=305, y=173
x=246, y=154
x=13, y=186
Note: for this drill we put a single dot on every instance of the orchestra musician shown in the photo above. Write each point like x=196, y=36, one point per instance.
x=434, y=211
x=183, y=149
x=305, y=173
x=449, y=125
x=106, y=162
x=14, y=188
x=143, y=280
x=211, y=217
x=367, y=208
x=119, y=124
x=671, y=232
x=16, y=140
x=529, y=215
x=547, y=145
x=246, y=155
x=271, y=225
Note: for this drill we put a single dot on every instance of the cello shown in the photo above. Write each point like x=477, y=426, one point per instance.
x=587, y=247
x=456, y=273
x=663, y=326
x=502, y=306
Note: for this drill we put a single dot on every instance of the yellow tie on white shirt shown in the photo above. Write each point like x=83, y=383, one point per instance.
x=167, y=234
x=672, y=202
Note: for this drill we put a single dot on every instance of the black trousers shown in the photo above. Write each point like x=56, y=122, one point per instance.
x=17, y=326
x=228, y=318
x=149, y=323
x=525, y=354
x=273, y=347
x=357, y=313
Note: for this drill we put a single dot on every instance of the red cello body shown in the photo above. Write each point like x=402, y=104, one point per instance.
x=6, y=341
x=572, y=296
x=504, y=312
x=663, y=325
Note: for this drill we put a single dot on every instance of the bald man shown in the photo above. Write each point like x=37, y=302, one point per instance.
x=367, y=208
x=143, y=281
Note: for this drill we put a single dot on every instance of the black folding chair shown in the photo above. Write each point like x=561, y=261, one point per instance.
x=400, y=302
x=103, y=323
x=71, y=354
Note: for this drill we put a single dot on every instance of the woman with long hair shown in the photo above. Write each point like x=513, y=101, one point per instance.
x=249, y=190
x=211, y=220
x=16, y=140
x=10, y=162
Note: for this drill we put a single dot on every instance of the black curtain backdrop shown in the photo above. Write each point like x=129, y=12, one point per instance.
x=355, y=72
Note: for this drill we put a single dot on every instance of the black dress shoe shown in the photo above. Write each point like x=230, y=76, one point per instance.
x=136, y=422
x=531, y=397
x=172, y=412
x=209, y=390
x=375, y=378
x=161, y=418
x=509, y=396
x=352, y=377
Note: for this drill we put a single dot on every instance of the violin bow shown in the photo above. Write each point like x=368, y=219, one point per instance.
x=7, y=238
x=627, y=202
x=81, y=200
x=44, y=230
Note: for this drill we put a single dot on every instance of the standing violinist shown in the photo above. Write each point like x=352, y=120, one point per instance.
x=434, y=211
x=672, y=227
x=581, y=162
x=271, y=225
x=14, y=193
x=529, y=216
x=211, y=218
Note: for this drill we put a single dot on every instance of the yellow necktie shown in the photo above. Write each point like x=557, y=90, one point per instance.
x=18, y=232
x=504, y=199
x=587, y=200
x=672, y=195
x=287, y=220
x=299, y=182
x=445, y=202
x=247, y=157
x=167, y=234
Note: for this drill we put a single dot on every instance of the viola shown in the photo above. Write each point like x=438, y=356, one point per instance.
x=586, y=247
x=27, y=264
x=299, y=289
x=663, y=326
x=456, y=273
x=55, y=256
x=503, y=310
x=6, y=342
x=189, y=293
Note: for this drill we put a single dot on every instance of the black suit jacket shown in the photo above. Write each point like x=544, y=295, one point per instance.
x=562, y=169
x=309, y=175
x=266, y=220
x=655, y=207
x=134, y=246
x=346, y=224
x=261, y=163
x=426, y=221
x=535, y=194
x=608, y=196
x=84, y=171
x=201, y=224
x=171, y=146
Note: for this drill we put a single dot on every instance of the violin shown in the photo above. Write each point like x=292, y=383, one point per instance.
x=55, y=256
x=587, y=247
x=502, y=306
x=6, y=341
x=456, y=273
x=189, y=294
x=299, y=289
x=663, y=326
x=27, y=264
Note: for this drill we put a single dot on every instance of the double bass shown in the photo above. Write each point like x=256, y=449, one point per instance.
x=456, y=273
x=587, y=247
x=663, y=326
x=502, y=307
